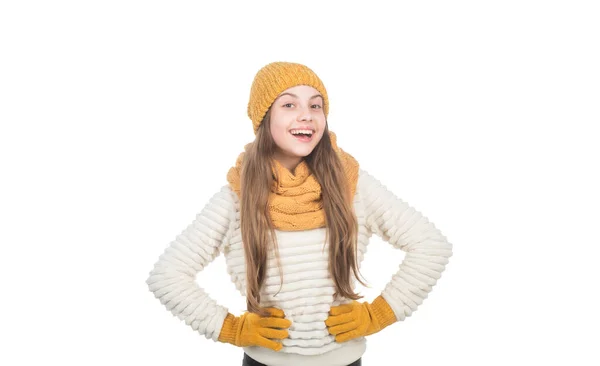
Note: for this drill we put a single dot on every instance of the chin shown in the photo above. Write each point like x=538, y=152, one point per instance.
x=301, y=153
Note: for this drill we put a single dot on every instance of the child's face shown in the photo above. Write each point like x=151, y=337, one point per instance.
x=299, y=107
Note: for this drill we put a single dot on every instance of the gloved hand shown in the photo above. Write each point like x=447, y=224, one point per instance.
x=357, y=319
x=253, y=330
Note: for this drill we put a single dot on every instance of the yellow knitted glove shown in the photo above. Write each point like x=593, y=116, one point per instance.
x=357, y=319
x=253, y=330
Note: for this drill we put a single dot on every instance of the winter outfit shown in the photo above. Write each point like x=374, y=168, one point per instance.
x=309, y=326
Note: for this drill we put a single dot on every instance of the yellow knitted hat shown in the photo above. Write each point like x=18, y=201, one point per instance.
x=272, y=80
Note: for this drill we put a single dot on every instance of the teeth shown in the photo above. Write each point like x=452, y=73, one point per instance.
x=306, y=132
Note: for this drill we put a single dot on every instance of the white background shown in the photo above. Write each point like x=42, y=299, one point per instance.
x=119, y=119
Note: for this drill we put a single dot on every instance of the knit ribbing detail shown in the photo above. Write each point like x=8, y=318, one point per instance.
x=229, y=330
x=307, y=293
x=172, y=280
x=427, y=249
x=383, y=312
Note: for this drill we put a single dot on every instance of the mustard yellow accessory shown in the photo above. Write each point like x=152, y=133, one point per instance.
x=253, y=330
x=357, y=319
x=272, y=79
x=295, y=201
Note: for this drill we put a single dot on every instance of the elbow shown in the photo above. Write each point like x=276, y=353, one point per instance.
x=157, y=278
x=152, y=280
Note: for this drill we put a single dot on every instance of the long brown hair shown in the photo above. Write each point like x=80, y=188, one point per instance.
x=258, y=230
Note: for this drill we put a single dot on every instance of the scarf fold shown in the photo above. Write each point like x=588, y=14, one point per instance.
x=295, y=200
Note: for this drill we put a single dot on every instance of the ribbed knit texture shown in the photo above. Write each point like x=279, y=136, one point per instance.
x=173, y=277
x=229, y=330
x=383, y=312
x=295, y=201
x=272, y=79
x=307, y=293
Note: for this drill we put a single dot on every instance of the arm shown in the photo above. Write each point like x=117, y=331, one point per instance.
x=427, y=249
x=172, y=280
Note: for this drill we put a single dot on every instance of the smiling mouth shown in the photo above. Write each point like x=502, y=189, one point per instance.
x=303, y=137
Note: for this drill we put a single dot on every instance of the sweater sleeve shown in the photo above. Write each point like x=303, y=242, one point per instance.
x=173, y=278
x=427, y=249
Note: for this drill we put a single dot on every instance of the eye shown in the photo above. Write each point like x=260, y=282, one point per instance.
x=286, y=104
x=317, y=105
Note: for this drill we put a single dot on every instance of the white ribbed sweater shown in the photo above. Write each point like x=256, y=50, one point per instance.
x=307, y=292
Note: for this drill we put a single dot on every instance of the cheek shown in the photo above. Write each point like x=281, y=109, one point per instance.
x=278, y=133
x=319, y=137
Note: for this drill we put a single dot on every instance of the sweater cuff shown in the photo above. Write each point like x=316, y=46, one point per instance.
x=383, y=312
x=229, y=329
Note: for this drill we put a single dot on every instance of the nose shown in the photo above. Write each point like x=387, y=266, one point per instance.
x=305, y=114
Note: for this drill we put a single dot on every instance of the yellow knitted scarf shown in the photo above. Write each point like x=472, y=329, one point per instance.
x=295, y=201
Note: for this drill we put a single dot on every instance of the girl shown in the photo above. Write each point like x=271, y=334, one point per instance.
x=293, y=223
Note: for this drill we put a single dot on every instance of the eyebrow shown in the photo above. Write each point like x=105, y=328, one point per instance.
x=295, y=96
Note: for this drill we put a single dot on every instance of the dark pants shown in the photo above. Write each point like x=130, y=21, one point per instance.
x=249, y=361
